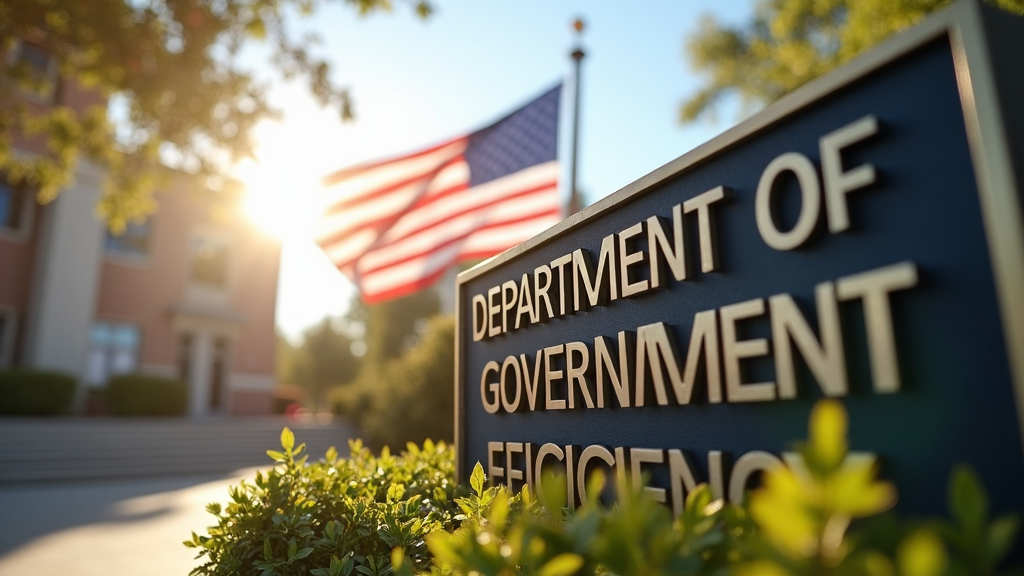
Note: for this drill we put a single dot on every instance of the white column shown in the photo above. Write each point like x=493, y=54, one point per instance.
x=199, y=377
x=66, y=281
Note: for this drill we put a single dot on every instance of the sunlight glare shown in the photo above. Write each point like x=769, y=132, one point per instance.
x=282, y=192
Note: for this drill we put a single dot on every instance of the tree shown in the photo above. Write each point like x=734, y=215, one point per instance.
x=324, y=360
x=790, y=42
x=408, y=398
x=390, y=328
x=285, y=355
x=171, y=67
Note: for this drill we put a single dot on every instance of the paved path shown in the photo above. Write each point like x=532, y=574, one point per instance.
x=107, y=528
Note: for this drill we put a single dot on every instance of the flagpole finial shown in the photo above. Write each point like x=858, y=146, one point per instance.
x=577, y=53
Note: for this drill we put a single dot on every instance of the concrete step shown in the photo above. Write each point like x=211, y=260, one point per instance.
x=46, y=449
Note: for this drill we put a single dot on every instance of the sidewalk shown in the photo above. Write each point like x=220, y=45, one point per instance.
x=116, y=497
x=107, y=528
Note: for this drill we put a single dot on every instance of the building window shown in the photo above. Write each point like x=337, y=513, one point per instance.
x=113, y=350
x=37, y=67
x=209, y=265
x=134, y=241
x=12, y=205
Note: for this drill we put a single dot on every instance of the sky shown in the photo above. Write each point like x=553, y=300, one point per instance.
x=416, y=82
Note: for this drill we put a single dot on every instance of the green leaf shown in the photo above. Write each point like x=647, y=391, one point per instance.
x=336, y=566
x=498, y=512
x=967, y=501
x=395, y=492
x=287, y=439
x=439, y=495
x=553, y=491
x=347, y=565
x=332, y=455
x=267, y=552
x=277, y=456
x=301, y=554
x=476, y=480
x=595, y=485
x=562, y=565
x=1001, y=535
x=921, y=554
x=828, y=433
x=398, y=553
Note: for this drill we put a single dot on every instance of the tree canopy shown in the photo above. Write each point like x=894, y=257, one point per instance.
x=171, y=70
x=323, y=361
x=790, y=42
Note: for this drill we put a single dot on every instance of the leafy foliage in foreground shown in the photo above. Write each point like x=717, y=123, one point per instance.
x=375, y=516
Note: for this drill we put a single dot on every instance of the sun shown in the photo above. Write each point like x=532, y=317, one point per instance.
x=281, y=190
x=276, y=202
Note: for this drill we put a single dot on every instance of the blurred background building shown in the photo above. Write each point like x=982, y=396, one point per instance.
x=189, y=293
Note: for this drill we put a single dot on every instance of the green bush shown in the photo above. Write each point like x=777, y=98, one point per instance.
x=141, y=395
x=407, y=399
x=369, y=516
x=333, y=516
x=31, y=393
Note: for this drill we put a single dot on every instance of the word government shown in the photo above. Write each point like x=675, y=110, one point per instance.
x=606, y=373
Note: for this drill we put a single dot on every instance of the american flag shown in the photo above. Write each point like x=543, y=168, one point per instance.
x=395, y=226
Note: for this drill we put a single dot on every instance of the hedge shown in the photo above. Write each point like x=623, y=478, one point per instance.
x=141, y=395
x=367, y=516
x=33, y=393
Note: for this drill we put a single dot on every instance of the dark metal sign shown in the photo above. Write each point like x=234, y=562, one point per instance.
x=861, y=239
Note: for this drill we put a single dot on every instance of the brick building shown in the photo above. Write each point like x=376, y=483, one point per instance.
x=183, y=295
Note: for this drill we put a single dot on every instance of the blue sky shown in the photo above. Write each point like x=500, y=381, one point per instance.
x=416, y=82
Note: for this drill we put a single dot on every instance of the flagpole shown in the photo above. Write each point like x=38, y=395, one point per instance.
x=575, y=201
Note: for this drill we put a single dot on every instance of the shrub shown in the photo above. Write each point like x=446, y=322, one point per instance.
x=371, y=516
x=410, y=398
x=333, y=516
x=31, y=393
x=141, y=395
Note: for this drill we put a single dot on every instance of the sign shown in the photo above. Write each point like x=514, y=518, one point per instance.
x=860, y=239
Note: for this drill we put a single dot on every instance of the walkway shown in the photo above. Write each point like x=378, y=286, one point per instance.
x=108, y=527
x=112, y=497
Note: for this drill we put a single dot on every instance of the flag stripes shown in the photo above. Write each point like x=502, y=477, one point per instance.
x=394, y=226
